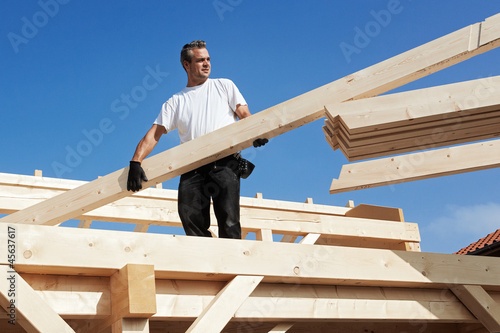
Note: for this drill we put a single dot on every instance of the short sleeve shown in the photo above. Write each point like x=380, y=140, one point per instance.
x=167, y=116
x=233, y=94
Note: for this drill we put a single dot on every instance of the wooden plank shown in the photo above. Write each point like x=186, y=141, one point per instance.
x=387, y=75
x=377, y=212
x=310, y=239
x=72, y=251
x=160, y=208
x=139, y=199
x=186, y=300
x=480, y=303
x=26, y=307
x=286, y=302
x=490, y=130
x=222, y=308
x=417, y=166
x=390, y=112
x=433, y=131
x=74, y=297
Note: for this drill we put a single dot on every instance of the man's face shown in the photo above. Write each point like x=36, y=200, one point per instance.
x=198, y=70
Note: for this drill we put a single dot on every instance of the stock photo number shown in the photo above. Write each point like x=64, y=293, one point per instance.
x=11, y=274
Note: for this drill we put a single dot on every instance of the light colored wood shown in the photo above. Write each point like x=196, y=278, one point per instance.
x=220, y=310
x=288, y=238
x=310, y=239
x=309, y=201
x=133, y=291
x=392, y=73
x=350, y=204
x=74, y=297
x=131, y=325
x=72, y=251
x=265, y=235
x=141, y=228
x=160, y=208
x=281, y=328
x=30, y=311
x=477, y=300
x=258, y=196
x=417, y=166
x=215, y=232
x=389, y=113
x=377, y=213
x=38, y=173
x=84, y=224
x=285, y=302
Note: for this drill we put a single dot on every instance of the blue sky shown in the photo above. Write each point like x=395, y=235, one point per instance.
x=82, y=81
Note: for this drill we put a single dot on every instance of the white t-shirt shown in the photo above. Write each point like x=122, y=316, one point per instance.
x=202, y=109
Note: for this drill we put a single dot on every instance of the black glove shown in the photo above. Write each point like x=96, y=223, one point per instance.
x=259, y=142
x=135, y=176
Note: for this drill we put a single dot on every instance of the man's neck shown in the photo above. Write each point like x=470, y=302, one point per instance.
x=196, y=83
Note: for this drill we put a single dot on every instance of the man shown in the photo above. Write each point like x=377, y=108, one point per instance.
x=205, y=105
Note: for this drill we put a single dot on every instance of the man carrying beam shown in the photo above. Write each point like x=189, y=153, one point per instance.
x=203, y=106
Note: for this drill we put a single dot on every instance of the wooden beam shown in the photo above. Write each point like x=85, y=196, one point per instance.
x=377, y=213
x=159, y=207
x=417, y=166
x=480, y=303
x=387, y=75
x=133, y=291
x=186, y=299
x=310, y=239
x=131, y=325
x=289, y=302
x=72, y=251
x=412, y=109
x=25, y=307
x=222, y=308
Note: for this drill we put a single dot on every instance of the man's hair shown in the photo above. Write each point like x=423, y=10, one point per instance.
x=187, y=50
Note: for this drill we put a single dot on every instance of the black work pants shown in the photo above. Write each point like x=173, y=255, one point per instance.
x=220, y=182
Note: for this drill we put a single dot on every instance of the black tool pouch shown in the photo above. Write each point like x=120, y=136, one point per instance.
x=245, y=167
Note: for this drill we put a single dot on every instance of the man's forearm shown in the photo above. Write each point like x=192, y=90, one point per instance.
x=147, y=143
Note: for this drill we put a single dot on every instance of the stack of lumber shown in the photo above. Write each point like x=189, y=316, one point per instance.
x=415, y=120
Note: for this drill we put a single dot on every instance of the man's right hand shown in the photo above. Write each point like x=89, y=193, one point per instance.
x=135, y=176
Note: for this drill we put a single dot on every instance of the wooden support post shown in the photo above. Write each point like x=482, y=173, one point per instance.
x=281, y=328
x=141, y=228
x=133, y=300
x=288, y=238
x=25, y=307
x=38, y=173
x=477, y=300
x=218, y=313
x=387, y=75
x=84, y=224
x=133, y=292
x=131, y=325
x=265, y=235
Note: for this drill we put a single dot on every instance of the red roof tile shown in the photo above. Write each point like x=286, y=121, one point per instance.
x=483, y=242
